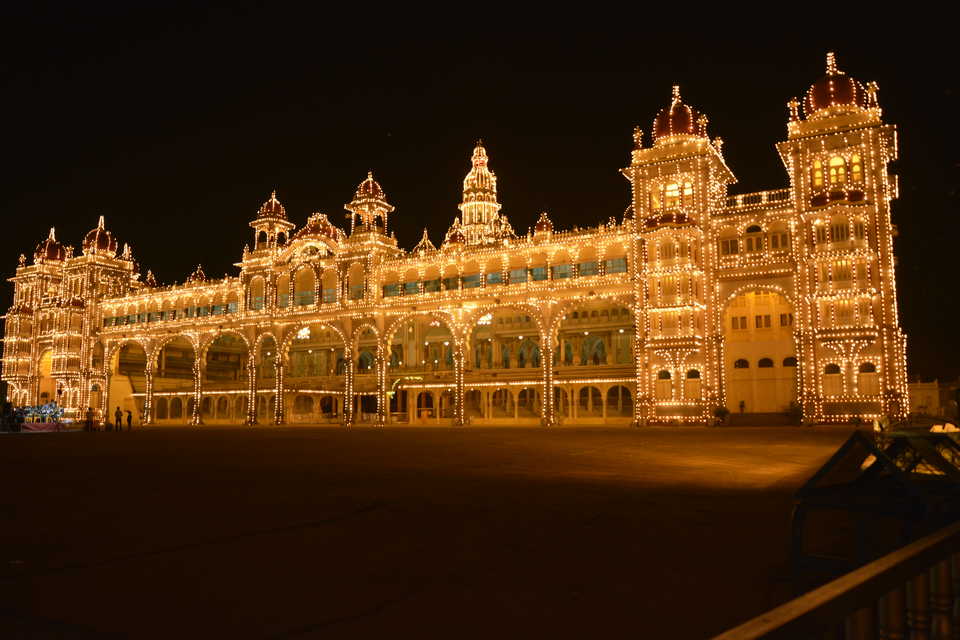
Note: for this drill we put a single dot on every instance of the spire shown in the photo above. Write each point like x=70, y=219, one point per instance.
x=53, y=234
x=100, y=223
x=676, y=95
x=424, y=245
x=832, y=64
x=480, y=207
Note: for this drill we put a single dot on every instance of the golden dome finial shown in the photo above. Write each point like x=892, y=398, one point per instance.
x=676, y=93
x=832, y=64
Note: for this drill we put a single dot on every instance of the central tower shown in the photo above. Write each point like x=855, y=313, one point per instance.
x=479, y=208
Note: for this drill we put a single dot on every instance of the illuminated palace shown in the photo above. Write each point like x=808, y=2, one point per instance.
x=694, y=300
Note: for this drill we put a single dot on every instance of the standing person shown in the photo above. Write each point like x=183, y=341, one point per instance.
x=129, y=419
x=88, y=425
x=118, y=419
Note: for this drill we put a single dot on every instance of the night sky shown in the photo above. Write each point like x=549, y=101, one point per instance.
x=176, y=122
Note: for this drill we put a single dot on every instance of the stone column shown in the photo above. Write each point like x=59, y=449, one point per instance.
x=547, y=419
x=459, y=392
x=251, y=390
x=348, y=370
x=383, y=406
x=279, y=413
x=146, y=418
x=195, y=416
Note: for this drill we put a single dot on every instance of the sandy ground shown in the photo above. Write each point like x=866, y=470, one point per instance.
x=403, y=532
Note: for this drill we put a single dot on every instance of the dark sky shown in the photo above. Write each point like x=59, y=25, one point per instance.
x=176, y=121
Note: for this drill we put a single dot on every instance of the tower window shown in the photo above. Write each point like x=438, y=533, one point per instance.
x=687, y=194
x=856, y=169
x=838, y=170
x=742, y=363
x=729, y=247
x=817, y=173
x=671, y=195
x=765, y=363
x=840, y=231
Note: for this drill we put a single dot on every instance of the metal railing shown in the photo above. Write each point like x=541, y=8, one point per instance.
x=913, y=593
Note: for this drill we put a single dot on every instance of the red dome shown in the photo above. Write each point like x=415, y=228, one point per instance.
x=369, y=188
x=836, y=89
x=50, y=250
x=678, y=119
x=543, y=224
x=319, y=225
x=99, y=240
x=272, y=208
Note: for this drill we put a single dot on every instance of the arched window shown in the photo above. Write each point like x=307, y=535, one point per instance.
x=693, y=373
x=741, y=364
x=867, y=382
x=831, y=369
x=817, y=173
x=856, y=169
x=790, y=361
x=671, y=195
x=664, y=388
x=838, y=170
x=765, y=363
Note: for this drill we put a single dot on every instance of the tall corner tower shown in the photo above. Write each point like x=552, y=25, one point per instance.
x=852, y=350
x=676, y=184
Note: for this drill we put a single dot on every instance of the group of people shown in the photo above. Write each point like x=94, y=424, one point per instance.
x=90, y=422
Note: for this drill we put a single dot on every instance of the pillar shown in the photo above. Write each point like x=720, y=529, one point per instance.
x=383, y=406
x=548, y=417
x=146, y=417
x=348, y=370
x=459, y=391
x=279, y=405
x=195, y=418
x=251, y=390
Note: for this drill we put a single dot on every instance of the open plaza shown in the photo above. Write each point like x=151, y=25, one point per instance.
x=300, y=532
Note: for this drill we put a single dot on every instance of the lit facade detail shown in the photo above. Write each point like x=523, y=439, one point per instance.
x=695, y=299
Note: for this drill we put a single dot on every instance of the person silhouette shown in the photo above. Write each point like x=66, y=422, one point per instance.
x=118, y=419
x=129, y=419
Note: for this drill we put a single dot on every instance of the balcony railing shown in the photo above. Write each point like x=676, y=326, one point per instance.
x=913, y=592
x=776, y=196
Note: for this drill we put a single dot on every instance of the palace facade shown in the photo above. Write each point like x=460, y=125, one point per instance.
x=695, y=299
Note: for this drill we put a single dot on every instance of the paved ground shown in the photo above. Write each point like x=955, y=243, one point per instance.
x=431, y=533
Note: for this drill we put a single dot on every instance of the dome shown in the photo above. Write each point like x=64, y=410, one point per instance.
x=678, y=120
x=99, y=241
x=369, y=188
x=319, y=225
x=834, y=90
x=369, y=202
x=424, y=246
x=49, y=250
x=272, y=208
x=543, y=224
